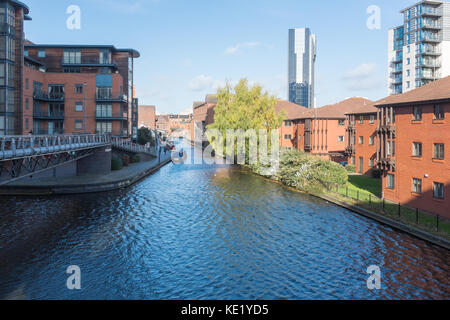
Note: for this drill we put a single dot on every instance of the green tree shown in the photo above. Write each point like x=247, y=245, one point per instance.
x=145, y=136
x=243, y=108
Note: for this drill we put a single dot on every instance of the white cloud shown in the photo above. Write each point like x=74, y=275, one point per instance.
x=235, y=49
x=363, y=77
x=201, y=83
x=363, y=71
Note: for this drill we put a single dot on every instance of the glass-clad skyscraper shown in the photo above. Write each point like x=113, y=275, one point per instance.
x=302, y=57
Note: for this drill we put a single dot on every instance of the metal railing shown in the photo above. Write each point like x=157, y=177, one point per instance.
x=413, y=216
x=16, y=147
x=89, y=61
x=41, y=95
x=110, y=97
x=127, y=145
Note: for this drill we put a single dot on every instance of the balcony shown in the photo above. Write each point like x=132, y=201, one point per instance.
x=107, y=97
x=40, y=115
x=429, y=64
x=115, y=133
x=431, y=26
x=430, y=37
x=350, y=150
x=388, y=129
x=89, y=62
x=387, y=164
x=44, y=96
x=427, y=76
x=428, y=51
x=111, y=117
x=431, y=12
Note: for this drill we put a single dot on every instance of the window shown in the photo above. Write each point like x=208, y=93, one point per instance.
x=361, y=140
x=372, y=119
x=41, y=53
x=372, y=141
x=72, y=57
x=417, y=149
x=341, y=123
x=287, y=137
x=408, y=73
x=438, y=190
x=27, y=104
x=371, y=163
x=288, y=123
x=104, y=127
x=417, y=186
x=390, y=181
x=341, y=139
x=353, y=160
x=78, y=88
x=438, y=151
x=408, y=61
x=56, y=91
x=2, y=125
x=361, y=119
x=105, y=110
x=27, y=83
x=79, y=107
x=438, y=112
x=27, y=123
x=409, y=50
x=408, y=84
x=417, y=113
x=25, y=53
x=78, y=124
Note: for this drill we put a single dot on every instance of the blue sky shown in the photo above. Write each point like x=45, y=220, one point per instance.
x=189, y=47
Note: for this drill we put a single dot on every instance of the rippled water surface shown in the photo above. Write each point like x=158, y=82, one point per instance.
x=205, y=232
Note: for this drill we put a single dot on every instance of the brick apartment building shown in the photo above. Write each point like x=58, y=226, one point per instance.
x=63, y=89
x=414, y=149
x=288, y=130
x=147, y=117
x=361, y=139
x=322, y=131
x=203, y=114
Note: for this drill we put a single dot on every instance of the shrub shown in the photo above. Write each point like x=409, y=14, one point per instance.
x=135, y=158
x=126, y=161
x=116, y=163
x=310, y=173
x=351, y=168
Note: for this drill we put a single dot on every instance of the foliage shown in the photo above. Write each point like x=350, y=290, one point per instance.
x=243, y=108
x=309, y=173
x=145, y=136
x=135, y=158
x=116, y=163
x=351, y=168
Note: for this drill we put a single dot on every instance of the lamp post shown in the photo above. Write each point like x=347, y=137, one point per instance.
x=85, y=117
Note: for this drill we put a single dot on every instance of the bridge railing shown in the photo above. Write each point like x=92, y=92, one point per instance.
x=129, y=146
x=13, y=147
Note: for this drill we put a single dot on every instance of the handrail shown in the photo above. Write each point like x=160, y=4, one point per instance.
x=14, y=147
x=129, y=146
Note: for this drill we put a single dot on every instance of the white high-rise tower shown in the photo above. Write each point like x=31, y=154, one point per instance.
x=419, y=49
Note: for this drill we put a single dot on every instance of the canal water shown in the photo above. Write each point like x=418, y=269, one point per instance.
x=208, y=232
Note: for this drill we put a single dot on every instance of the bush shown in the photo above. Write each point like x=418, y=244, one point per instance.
x=116, y=163
x=351, y=168
x=135, y=159
x=126, y=161
x=309, y=173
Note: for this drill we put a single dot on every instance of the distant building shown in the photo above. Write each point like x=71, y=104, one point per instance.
x=163, y=124
x=419, y=49
x=147, y=117
x=302, y=57
x=203, y=114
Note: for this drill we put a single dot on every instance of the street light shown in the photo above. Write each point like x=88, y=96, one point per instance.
x=85, y=119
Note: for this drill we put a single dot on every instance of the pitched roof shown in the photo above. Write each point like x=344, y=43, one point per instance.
x=293, y=111
x=434, y=91
x=339, y=110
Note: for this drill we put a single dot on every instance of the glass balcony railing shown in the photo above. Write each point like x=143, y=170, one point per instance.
x=89, y=61
x=425, y=10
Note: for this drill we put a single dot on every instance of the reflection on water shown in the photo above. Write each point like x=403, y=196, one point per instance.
x=207, y=232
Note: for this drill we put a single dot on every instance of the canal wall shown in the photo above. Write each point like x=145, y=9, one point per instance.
x=115, y=180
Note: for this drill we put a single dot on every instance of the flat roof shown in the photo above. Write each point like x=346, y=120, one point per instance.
x=133, y=52
x=16, y=3
x=423, y=2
